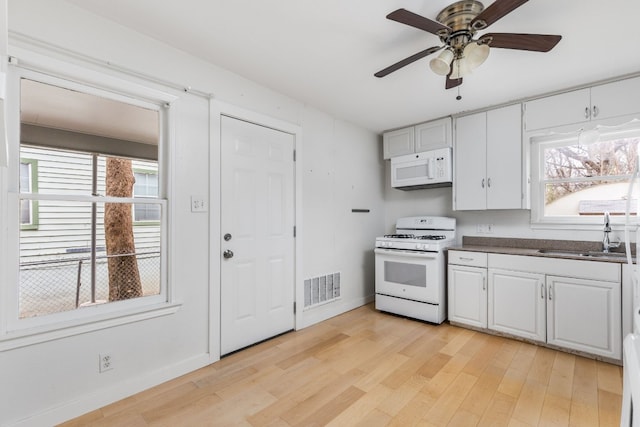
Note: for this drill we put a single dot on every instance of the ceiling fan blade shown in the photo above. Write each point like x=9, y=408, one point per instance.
x=409, y=18
x=535, y=42
x=406, y=61
x=495, y=11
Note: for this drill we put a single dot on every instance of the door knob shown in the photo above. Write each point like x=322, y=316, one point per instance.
x=227, y=254
x=227, y=237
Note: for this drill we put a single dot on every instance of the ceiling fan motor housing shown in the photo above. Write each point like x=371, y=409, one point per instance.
x=458, y=17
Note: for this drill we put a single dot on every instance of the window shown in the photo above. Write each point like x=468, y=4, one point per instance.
x=146, y=186
x=82, y=149
x=28, y=185
x=577, y=177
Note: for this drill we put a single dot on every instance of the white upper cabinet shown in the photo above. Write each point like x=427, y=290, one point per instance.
x=416, y=139
x=488, y=160
x=433, y=135
x=562, y=109
x=398, y=142
x=609, y=100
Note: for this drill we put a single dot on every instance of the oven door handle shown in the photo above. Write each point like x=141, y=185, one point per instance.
x=407, y=253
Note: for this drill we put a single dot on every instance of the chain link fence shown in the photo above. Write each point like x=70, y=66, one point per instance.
x=54, y=286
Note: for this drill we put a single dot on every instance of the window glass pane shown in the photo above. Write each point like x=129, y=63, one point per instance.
x=25, y=178
x=25, y=212
x=85, y=251
x=55, y=262
x=588, y=179
x=605, y=158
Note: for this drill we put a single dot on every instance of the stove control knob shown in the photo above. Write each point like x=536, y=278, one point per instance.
x=418, y=246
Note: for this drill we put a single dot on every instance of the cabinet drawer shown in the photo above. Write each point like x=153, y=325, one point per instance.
x=473, y=259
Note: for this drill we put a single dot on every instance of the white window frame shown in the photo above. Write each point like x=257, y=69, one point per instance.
x=15, y=332
x=628, y=127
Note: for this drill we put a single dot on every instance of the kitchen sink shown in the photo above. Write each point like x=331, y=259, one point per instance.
x=593, y=254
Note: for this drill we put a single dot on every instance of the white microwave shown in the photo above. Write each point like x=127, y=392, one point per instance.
x=422, y=170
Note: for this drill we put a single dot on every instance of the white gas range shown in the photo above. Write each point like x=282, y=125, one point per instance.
x=410, y=267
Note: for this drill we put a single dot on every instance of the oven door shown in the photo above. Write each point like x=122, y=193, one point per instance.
x=410, y=274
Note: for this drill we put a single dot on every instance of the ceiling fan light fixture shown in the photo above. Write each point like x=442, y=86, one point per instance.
x=460, y=68
x=475, y=54
x=442, y=63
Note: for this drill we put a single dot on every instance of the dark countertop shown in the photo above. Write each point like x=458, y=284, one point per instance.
x=566, y=249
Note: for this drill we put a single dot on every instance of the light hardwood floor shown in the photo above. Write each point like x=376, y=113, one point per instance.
x=366, y=368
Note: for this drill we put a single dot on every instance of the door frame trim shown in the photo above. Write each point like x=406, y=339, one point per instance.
x=217, y=109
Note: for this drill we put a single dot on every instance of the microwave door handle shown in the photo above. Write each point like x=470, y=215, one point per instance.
x=430, y=169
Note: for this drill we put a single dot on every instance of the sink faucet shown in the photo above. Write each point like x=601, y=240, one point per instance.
x=606, y=244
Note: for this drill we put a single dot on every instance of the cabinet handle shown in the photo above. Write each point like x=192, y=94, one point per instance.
x=466, y=259
x=596, y=111
x=488, y=182
x=550, y=293
x=542, y=290
x=484, y=283
x=482, y=183
x=586, y=112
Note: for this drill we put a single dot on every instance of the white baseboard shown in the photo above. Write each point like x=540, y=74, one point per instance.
x=108, y=395
x=327, y=311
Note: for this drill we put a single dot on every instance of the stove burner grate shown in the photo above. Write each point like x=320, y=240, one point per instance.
x=433, y=237
x=400, y=236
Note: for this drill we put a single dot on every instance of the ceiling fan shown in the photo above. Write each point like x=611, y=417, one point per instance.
x=456, y=26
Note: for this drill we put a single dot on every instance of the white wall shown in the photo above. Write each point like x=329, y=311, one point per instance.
x=49, y=382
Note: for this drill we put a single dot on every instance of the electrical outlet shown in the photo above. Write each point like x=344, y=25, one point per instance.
x=484, y=228
x=106, y=362
x=198, y=204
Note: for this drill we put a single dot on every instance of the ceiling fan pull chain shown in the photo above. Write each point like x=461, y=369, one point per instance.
x=459, y=97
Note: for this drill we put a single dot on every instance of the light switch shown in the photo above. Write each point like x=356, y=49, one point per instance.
x=198, y=204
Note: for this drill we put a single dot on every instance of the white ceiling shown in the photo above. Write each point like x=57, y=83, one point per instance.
x=324, y=52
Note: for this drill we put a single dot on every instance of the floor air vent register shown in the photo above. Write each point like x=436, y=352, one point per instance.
x=321, y=289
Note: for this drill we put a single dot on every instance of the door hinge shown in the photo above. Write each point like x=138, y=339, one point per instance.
x=294, y=155
x=294, y=307
x=294, y=231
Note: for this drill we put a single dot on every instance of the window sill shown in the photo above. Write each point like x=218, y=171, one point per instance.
x=26, y=337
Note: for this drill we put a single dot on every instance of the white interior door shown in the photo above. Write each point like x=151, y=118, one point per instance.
x=257, y=224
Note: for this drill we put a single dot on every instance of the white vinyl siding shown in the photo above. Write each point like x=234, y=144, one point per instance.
x=61, y=232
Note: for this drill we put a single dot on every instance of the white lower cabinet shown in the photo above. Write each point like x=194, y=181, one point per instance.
x=467, y=288
x=584, y=315
x=516, y=303
x=571, y=304
x=468, y=295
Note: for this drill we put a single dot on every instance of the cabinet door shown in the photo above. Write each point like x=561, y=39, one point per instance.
x=504, y=158
x=398, y=142
x=516, y=303
x=557, y=110
x=433, y=135
x=470, y=162
x=584, y=315
x=467, y=293
x=615, y=99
